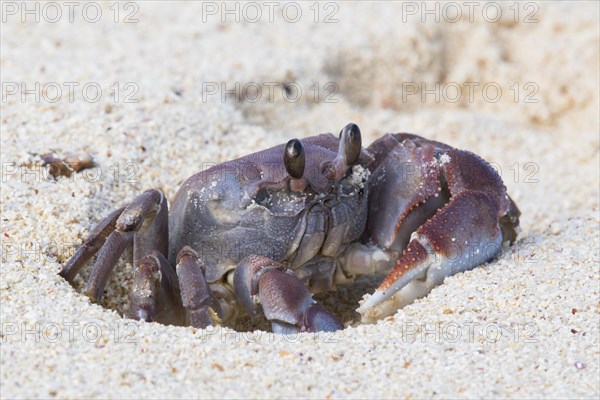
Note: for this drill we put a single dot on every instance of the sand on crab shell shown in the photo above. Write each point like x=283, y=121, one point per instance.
x=523, y=325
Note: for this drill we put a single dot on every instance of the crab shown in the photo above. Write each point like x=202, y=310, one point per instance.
x=261, y=234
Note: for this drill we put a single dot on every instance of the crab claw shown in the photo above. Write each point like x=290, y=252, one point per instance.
x=463, y=231
x=459, y=237
x=263, y=286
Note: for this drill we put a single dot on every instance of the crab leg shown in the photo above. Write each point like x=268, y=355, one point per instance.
x=91, y=245
x=151, y=218
x=108, y=257
x=155, y=290
x=143, y=222
x=285, y=301
x=195, y=293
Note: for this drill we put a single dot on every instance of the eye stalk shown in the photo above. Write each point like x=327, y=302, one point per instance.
x=350, y=143
x=348, y=153
x=294, y=160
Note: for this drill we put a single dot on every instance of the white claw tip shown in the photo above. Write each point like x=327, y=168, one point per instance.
x=377, y=297
x=143, y=315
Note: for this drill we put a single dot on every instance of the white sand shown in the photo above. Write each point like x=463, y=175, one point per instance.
x=524, y=325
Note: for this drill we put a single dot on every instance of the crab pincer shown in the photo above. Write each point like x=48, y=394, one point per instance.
x=462, y=215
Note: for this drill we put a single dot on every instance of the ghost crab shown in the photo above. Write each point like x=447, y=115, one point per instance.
x=260, y=234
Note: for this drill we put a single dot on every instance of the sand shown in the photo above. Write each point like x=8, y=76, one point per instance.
x=525, y=325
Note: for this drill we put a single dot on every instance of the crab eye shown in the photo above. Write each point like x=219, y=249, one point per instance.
x=350, y=139
x=293, y=158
